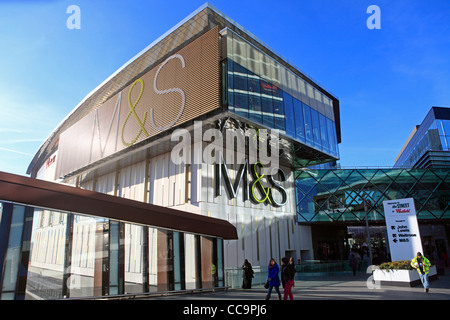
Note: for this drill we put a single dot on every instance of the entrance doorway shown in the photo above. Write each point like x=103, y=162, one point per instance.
x=291, y=254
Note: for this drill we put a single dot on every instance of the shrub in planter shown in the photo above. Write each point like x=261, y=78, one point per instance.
x=396, y=265
x=400, y=273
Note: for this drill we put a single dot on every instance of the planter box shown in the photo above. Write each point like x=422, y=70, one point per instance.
x=407, y=278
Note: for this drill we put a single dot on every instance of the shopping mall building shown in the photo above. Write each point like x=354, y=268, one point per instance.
x=344, y=206
x=176, y=168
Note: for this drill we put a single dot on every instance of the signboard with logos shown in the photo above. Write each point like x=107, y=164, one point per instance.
x=402, y=228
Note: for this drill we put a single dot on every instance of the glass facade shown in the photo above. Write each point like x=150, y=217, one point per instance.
x=55, y=255
x=432, y=135
x=262, y=102
x=264, y=91
x=338, y=195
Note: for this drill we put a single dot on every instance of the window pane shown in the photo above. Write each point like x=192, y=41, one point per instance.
x=443, y=143
x=47, y=251
x=299, y=120
x=83, y=257
x=254, y=108
x=446, y=125
x=331, y=136
x=240, y=77
x=253, y=83
x=336, y=149
x=11, y=265
x=267, y=90
x=448, y=141
x=278, y=110
x=134, y=246
x=254, y=98
x=240, y=90
x=230, y=85
x=241, y=104
x=323, y=133
x=289, y=113
x=308, y=124
x=316, y=128
x=267, y=108
x=114, y=275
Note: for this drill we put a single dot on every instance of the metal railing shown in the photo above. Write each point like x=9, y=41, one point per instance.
x=306, y=270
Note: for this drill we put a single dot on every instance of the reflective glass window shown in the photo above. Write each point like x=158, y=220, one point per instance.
x=230, y=86
x=46, y=262
x=443, y=142
x=253, y=83
x=254, y=107
x=178, y=260
x=219, y=255
x=267, y=108
x=308, y=124
x=278, y=110
x=299, y=120
x=114, y=260
x=83, y=257
x=240, y=90
x=241, y=104
x=432, y=141
x=240, y=77
x=289, y=114
x=266, y=102
x=134, y=263
x=440, y=127
x=316, y=129
x=448, y=143
x=254, y=98
x=446, y=125
x=336, y=148
x=331, y=136
x=324, y=133
x=11, y=267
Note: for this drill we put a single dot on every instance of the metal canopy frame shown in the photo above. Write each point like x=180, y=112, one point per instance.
x=35, y=192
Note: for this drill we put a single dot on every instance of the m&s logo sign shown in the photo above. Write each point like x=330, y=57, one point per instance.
x=132, y=105
x=142, y=100
x=251, y=188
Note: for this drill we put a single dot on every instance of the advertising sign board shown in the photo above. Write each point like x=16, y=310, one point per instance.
x=402, y=228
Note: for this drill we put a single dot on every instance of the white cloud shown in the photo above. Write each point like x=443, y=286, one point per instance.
x=16, y=151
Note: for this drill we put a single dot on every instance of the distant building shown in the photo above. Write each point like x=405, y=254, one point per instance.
x=428, y=145
x=332, y=201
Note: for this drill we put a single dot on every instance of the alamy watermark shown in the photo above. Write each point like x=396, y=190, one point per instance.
x=234, y=146
x=374, y=21
x=371, y=283
x=74, y=20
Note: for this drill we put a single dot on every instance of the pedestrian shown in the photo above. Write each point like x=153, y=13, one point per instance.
x=445, y=258
x=248, y=275
x=292, y=266
x=353, y=263
x=273, y=279
x=422, y=265
x=287, y=278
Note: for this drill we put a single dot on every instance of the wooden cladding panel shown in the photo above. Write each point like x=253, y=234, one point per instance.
x=148, y=106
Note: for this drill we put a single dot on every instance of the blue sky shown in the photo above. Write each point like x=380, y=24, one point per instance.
x=386, y=79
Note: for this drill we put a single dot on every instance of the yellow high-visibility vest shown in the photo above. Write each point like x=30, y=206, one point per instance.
x=425, y=264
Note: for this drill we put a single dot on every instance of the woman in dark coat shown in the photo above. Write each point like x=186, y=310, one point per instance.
x=287, y=278
x=248, y=275
x=353, y=263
